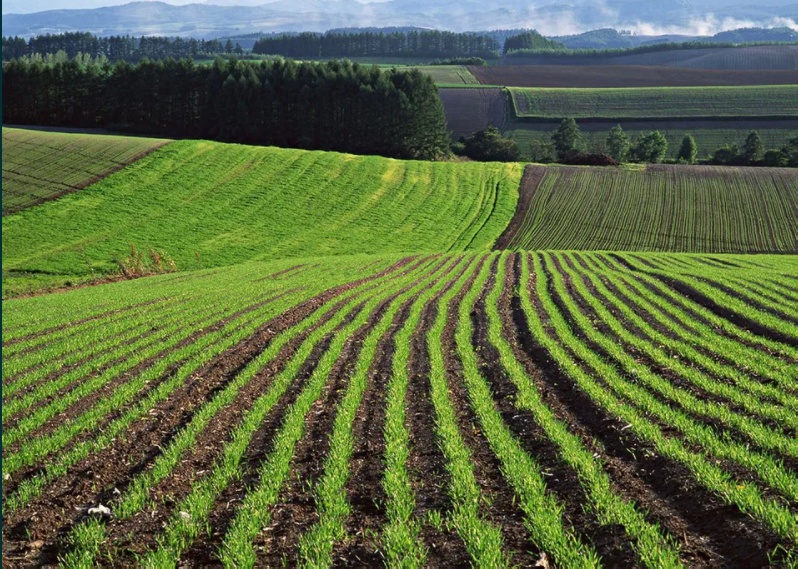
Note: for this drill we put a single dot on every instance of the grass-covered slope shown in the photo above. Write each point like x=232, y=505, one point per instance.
x=40, y=166
x=700, y=209
x=657, y=102
x=208, y=204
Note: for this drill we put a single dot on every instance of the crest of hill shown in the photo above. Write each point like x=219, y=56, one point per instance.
x=206, y=204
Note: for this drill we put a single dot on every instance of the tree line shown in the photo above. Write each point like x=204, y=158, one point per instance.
x=116, y=48
x=336, y=105
x=565, y=146
x=432, y=43
x=653, y=147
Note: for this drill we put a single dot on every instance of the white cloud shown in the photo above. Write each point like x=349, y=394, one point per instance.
x=709, y=25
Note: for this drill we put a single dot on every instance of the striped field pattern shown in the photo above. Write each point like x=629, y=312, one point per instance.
x=699, y=209
x=40, y=166
x=500, y=409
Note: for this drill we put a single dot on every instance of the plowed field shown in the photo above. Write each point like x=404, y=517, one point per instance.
x=491, y=409
x=586, y=76
x=40, y=166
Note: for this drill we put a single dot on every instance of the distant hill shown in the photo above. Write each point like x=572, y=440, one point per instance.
x=211, y=20
x=610, y=38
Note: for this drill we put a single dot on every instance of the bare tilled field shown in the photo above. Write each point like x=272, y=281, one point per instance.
x=737, y=58
x=625, y=76
x=470, y=110
x=494, y=409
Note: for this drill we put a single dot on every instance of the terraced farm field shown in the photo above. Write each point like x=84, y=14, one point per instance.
x=657, y=208
x=39, y=166
x=207, y=204
x=775, y=101
x=574, y=409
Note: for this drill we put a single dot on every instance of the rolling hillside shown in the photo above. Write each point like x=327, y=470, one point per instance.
x=488, y=409
x=206, y=204
x=39, y=166
x=350, y=375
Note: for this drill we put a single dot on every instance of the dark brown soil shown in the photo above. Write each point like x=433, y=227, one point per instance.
x=742, y=296
x=470, y=110
x=501, y=507
x=365, y=486
x=209, y=448
x=734, y=434
x=426, y=463
x=616, y=289
x=712, y=533
x=680, y=304
x=49, y=517
x=90, y=400
x=610, y=542
x=533, y=175
x=295, y=511
x=733, y=317
x=624, y=76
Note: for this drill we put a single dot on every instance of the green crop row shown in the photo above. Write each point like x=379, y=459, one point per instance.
x=688, y=383
x=85, y=540
x=634, y=405
x=661, y=208
x=239, y=203
x=656, y=102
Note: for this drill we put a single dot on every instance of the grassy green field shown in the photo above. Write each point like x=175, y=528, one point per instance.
x=659, y=208
x=207, y=204
x=39, y=166
x=342, y=372
x=657, y=102
x=707, y=139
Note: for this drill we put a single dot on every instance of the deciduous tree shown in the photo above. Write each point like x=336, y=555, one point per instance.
x=566, y=138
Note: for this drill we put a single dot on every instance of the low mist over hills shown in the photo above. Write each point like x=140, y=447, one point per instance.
x=227, y=17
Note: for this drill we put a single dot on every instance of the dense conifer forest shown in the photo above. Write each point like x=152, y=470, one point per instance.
x=336, y=105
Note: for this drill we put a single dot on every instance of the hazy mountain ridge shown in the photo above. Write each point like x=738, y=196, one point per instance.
x=646, y=18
